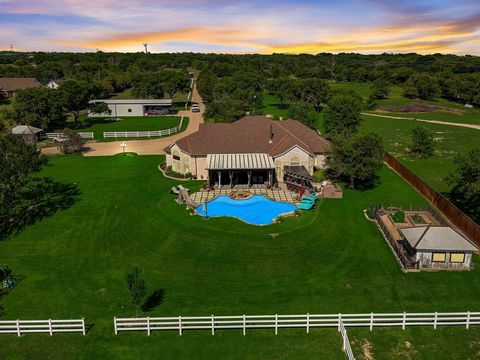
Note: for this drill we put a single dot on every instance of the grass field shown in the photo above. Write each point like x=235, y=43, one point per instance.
x=328, y=260
x=130, y=123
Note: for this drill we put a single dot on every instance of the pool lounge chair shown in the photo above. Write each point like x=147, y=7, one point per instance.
x=183, y=188
x=174, y=190
x=305, y=206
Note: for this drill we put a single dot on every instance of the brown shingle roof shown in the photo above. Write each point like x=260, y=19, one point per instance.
x=251, y=134
x=14, y=84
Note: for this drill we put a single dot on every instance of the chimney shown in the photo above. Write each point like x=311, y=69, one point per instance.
x=271, y=134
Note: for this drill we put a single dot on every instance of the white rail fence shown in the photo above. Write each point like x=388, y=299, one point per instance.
x=306, y=321
x=49, y=326
x=346, y=343
x=142, y=134
x=61, y=136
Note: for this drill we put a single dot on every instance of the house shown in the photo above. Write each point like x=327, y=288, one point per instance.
x=254, y=150
x=54, y=84
x=438, y=247
x=29, y=133
x=10, y=86
x=134, y=107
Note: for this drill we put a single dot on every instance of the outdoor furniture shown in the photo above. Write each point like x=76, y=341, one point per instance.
x=181, y=187
x=174, y=190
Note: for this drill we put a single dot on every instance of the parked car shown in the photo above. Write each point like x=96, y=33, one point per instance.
x=195, y=108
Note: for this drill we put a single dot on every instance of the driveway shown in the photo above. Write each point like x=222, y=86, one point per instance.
x=144, y=147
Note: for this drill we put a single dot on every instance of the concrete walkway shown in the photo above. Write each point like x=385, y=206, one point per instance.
x=470, y=126
x=144, y=147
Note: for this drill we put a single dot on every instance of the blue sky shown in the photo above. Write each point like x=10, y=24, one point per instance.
x=365, y=26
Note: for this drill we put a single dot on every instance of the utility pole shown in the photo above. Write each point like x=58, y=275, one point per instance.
x=145, y=44
x=11, y=47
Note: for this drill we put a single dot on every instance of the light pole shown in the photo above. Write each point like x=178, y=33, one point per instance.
x=123, y=145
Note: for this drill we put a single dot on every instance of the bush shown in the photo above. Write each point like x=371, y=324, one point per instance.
x=170, y=172
x=319, y=175
x=71, y=142
x=398, y=217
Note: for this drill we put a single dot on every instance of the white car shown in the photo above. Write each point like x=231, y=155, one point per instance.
x=195, y=108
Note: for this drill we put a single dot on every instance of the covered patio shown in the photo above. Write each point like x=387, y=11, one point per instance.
x=297, y=178
x=240, y=170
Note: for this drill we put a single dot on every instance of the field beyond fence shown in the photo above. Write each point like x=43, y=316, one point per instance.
x=450, y=211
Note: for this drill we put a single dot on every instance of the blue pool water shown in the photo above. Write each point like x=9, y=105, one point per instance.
x=257, y=210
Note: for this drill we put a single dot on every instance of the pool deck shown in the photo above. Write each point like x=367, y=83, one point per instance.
x=273, y=194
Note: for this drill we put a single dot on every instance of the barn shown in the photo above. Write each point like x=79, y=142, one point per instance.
x=134, y=107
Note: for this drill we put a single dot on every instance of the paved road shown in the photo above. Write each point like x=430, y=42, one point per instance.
x=470, y=126
x=144, y=147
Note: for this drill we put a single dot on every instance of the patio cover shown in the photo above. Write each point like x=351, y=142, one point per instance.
x=298, y=171
x=25, y=130
x=239, y=162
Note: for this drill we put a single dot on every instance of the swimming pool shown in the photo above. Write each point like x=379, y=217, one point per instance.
x=257, y=210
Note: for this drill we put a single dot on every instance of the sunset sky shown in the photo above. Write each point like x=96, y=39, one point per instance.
x=301, y=26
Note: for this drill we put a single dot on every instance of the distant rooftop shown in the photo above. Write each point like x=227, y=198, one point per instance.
x=164, y=102
x=14, y=84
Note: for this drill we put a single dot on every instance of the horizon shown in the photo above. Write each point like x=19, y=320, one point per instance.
x=250, y=27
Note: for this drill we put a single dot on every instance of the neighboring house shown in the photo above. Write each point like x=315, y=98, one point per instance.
x=10, y=86
x=438, y=247
x=135, y=107
x=254, y=150
x=54, y=84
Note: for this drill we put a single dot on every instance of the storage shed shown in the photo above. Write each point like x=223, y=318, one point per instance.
x=438, y=247
x=134, y=107
x=29, y=133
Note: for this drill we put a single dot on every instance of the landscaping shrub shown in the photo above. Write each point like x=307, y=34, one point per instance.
x=417, y=219
x=398, y=217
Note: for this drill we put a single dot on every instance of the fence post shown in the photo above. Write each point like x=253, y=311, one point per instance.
x=371, y=321
x=435, y=321
x=339, y=321
x=213, y=325
x=180, y=325
x=50, y=327
x=18, y=327
x=148, y=325
x=83, y=327
x=276, y=324
x=468, y=320
x=244, y=325
x=115, y=325
x=404, y=321
x=308, y=323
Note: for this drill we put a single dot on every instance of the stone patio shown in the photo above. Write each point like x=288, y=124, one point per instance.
x=274, y=194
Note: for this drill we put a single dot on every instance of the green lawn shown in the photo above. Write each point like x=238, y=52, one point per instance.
x=130, y=123
x=450, y=141
x=271, y=106
x=328, y=260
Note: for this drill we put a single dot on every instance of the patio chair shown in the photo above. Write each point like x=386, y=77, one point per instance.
x=181, y=187
x=174, y=190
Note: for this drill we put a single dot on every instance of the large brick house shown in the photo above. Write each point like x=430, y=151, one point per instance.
x=254, y=150
x=9, y=86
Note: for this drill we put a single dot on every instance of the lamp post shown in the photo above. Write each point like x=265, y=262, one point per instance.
x=123, y=145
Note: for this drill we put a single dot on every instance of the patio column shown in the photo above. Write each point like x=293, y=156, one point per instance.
x=270, y=177
x=220, y=179
x=249, y=174
x=230, y=173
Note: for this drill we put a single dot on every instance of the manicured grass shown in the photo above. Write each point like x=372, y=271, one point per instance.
x=328, y=260
x=468, y=117
x=129, y=123
x=271, y=106
x=450, y=141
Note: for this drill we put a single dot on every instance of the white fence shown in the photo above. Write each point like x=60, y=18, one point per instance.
x=307, y=321
x=60, y=136
x=346, y=343
x=142, y=134
x=49, y=326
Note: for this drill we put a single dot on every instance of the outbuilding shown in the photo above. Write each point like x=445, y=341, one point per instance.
x=29, y=133
x=134, y=107
x=54, y=84
x=10, y=86
x=438, y=247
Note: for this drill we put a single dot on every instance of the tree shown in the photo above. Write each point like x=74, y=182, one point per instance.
x=75, y=95
x=70, y=142
x=206, y=84
x=421, y=141
x=18, y=160
x=136, y=286
x=303, y=112
x=174, y=82
x=380, y=89
x=315, y=92
x=99, y=108
x=39, y=107
x=465, y=184
x=423, y=86
x=356, y=158
x=149, y=86
x=342, y=115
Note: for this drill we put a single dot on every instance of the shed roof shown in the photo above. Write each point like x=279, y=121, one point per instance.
x=14, y=84
x=25, y=130
x=164, y=102
x=436, y=238
x=239, y=162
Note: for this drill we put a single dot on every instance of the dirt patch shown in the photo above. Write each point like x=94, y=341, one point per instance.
x=367, y=350
x=404, y=351
x=420, y=108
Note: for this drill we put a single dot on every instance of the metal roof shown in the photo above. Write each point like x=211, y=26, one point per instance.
x=436, y=238
x=25, y=130
x=239, y=162
x=164, y=102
